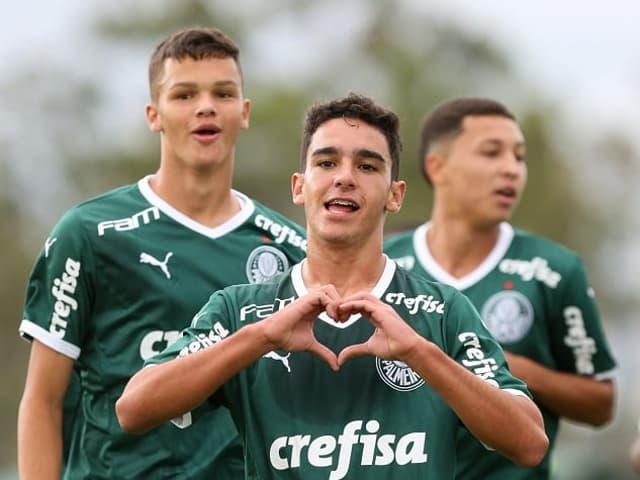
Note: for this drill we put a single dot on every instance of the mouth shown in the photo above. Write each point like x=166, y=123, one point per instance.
x=341, y=205
x=206, y=132
x=507, y=192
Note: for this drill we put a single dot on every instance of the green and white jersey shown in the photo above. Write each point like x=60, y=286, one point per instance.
x=373, y=419
x=119, y=277
x=534, y=297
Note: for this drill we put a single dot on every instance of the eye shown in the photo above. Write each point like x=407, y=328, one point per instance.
x=368, y=167
x=325, y=163
x=184, y=95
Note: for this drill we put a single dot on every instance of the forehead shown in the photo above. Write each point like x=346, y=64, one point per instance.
x=483, y=127
x=349, y=135
x=204, y=71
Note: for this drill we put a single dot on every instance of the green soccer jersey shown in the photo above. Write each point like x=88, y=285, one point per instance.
x=119, y=277
x=534, y=297
x=373, y=419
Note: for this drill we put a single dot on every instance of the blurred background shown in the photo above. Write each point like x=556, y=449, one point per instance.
x=74, y=86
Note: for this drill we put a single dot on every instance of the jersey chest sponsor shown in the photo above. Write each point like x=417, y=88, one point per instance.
x=535, y=269
x=280, y=233
x=360, y=440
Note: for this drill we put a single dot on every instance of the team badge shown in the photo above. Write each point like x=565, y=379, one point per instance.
x=508, y=315
x=264, y=263
x=398, y=375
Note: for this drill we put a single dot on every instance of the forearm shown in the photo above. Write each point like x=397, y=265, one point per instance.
x=39, y=440
x=578, y=398
x=508, y=423
x=157, y=394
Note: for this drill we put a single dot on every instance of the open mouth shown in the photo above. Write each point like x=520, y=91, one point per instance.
x=341, y=205
x=507, y=192
x=207, y=131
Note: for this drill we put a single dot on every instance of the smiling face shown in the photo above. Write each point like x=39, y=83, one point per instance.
x=199, y=109
x=346, y=187
x=480, y=174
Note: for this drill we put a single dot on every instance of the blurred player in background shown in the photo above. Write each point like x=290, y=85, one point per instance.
x=532, y=294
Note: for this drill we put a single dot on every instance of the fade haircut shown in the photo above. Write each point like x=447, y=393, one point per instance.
x=195, y=43
x=444, y=122
x=354, y=106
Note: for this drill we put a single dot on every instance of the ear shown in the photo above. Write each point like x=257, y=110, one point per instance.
x=297, y=188
x=153, y=119
x=246, y=111
x=396, y=196
x=433, y=164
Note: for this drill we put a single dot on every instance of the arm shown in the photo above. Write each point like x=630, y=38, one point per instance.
x=511, y=424
x=162, y=392
x=576, y=397
x=634, y=452
x=40, y=414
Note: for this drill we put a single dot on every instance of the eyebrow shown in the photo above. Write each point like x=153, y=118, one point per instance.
x=221, y=83
x=361, y=153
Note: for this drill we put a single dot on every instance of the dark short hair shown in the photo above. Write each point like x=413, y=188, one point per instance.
x=195, y=43
x=444, y=122
x=359, y=107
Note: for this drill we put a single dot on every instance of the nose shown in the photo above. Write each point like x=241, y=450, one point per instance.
x=512, y=166
x=344, y=176
x=206, y=107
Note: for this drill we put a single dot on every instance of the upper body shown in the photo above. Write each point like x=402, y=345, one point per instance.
x=533, y=294
x=122, y=274
x=255, y=348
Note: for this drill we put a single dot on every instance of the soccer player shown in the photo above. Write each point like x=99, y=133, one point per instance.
x=345, y=366
x=532, y=294
x=122, y=273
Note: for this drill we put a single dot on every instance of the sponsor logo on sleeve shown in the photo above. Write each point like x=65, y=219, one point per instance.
x=508, y=315
x=203, y=340
x=143, y=217
x=63, y=290
x=47, y=245
x=583, y=346
x=360, y=442
x=475, y=360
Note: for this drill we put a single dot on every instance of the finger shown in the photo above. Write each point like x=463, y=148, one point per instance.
x=352, y=351
x=325, y=354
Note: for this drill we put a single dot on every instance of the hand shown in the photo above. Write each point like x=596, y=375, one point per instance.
x=393, y=338
x=291, y=328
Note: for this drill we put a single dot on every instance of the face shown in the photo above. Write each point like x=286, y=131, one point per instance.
x=199, y=110
x=346, y=188
x=480, y=175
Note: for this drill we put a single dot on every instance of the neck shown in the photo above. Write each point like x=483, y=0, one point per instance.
x=458, y=246
x=203, y=196
x=350, y=269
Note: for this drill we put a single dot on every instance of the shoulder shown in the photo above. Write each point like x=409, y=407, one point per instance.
x=531, y=245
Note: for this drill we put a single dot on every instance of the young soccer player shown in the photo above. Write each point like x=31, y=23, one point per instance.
x=532, y=294
x=345, y=366
x=121, y=274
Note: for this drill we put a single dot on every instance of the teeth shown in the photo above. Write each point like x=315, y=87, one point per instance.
x=343, y=203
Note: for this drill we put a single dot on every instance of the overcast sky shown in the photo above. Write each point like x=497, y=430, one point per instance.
x=584, y=53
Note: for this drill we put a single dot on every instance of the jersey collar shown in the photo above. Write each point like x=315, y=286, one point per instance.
x=378, y=290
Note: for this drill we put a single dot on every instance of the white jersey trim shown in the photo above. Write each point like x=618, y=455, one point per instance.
x=247, y=207
x=378, y=290
x=430, y=265
x=29, y=330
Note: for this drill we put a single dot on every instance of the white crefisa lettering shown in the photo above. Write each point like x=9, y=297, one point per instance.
x=281, y=233
x=156, y=341
x=372, y=448
x=583, y=346
x=130, y=223
x=63, y=290
x=422, y=302
x=217, y=333
x=535, y=269
x=476, y=361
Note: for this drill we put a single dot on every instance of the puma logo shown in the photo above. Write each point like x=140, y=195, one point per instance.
x=279, y=358
x=151, y=260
